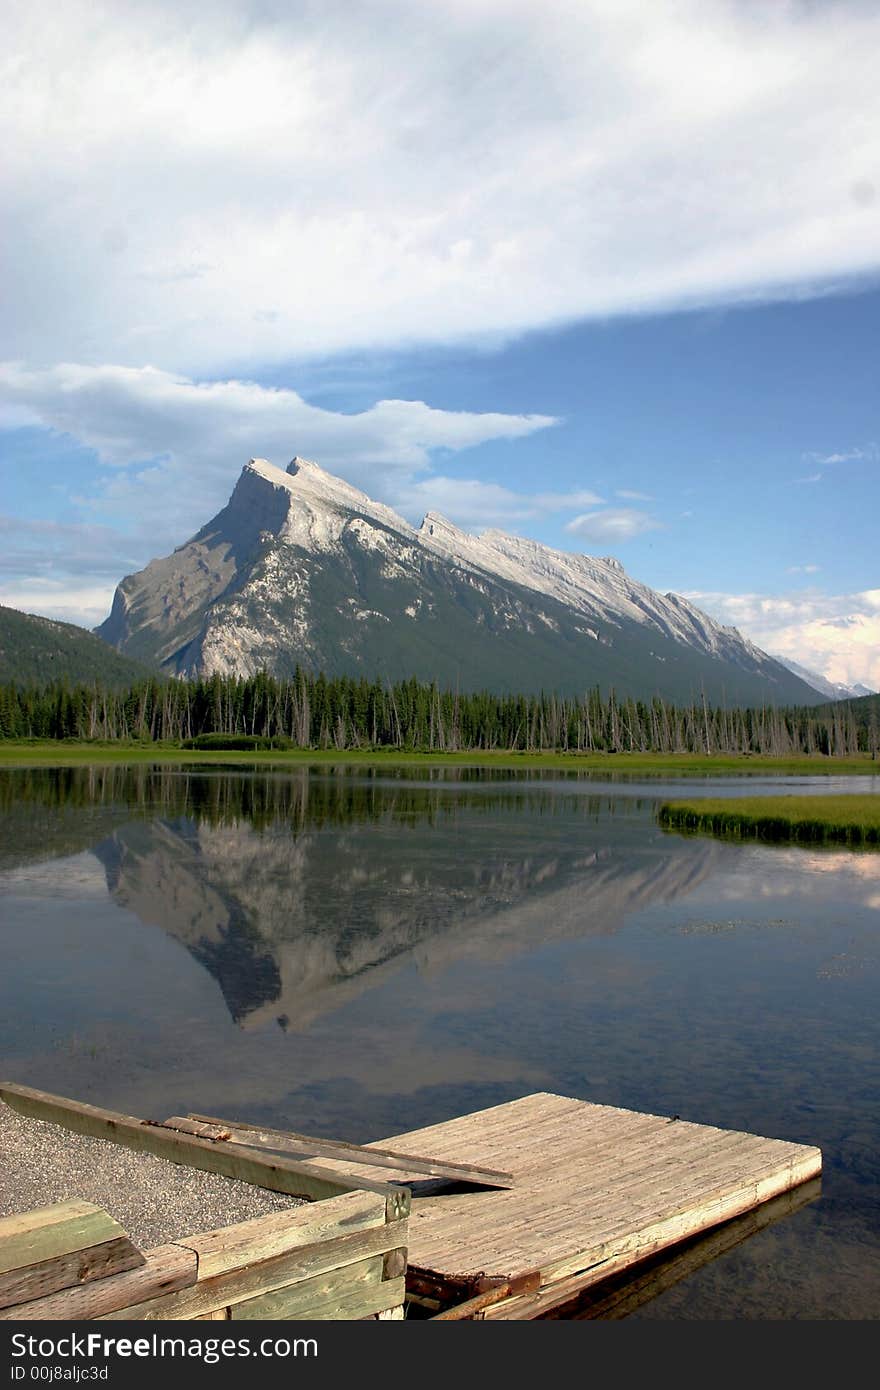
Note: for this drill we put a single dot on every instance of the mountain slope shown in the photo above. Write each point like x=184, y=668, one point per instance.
x=301, y=568
x=832, y=690
x=36, y=650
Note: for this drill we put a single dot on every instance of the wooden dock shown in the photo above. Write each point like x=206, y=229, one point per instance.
x=514, y=1212
x=597, y=1190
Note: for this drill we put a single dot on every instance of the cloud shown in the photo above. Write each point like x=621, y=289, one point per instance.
x=803, y=569
x=85, y=604
x=869, y=454
x=628, y=495
x=476, y=505
x=88, y=549
x=171, y=448
x=836, y=635
x=130, y=415
x=65, y=570
x=203, y=187
x=615, y=524
x=163, y=436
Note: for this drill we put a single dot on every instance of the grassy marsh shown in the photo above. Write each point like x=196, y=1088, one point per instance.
x=849, y=820
x=73, y=753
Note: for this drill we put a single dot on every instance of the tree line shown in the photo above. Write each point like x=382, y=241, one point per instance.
x=317, y=712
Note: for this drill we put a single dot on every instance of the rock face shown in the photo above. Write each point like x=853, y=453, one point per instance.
x=300, y=568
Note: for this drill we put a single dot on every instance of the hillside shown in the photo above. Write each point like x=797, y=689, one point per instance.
x=865, y=712
x=35, y=650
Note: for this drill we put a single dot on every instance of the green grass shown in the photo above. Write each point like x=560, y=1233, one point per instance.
x=55, y=753
x=848, y=820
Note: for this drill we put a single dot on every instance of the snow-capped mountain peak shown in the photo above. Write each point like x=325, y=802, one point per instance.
x=318, y=505
x=301, y=567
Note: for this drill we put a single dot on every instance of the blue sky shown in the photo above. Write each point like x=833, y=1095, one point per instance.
x=606, y=275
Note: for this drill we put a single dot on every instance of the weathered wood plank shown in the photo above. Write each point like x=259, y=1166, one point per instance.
x=324, y=1290
x=167, y=1268
x=617, y=1296
x=325, y=1259
x=632, y=1246
x=186, y=1124
x=73, y=1269
x=278, y=1174
x=307, y=1146
x=281, y=1232
x=662, y=1238
x=366, y=1303
x=561, y=1232
x=27, y=1238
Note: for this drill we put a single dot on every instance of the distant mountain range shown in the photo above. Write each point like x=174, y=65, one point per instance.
x=832, y=690
x=300, y=568
x=34, y=651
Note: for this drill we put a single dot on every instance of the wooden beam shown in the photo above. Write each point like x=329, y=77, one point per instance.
x=31, y=1236
x=51, y=1248
x=74, y=1269
x=277, y=1174
x=339, y=1306
x=267, y=1278
x=167, y=1268
x=330, y=1295
x=283, y=1232
x=307, y=1146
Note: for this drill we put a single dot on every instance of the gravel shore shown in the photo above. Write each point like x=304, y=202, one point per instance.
x=153, y=1200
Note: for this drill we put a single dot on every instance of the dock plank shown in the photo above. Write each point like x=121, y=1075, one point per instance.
x=598, y=1188
x=308, y=1146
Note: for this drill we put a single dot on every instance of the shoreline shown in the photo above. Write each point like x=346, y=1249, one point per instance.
x=60, y=753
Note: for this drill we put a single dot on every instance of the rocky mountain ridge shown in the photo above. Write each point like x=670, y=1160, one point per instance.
x=301, y=568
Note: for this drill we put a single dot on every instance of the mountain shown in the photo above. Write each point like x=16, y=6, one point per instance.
x=832, y=690
x=35, y=650
x=301, y=568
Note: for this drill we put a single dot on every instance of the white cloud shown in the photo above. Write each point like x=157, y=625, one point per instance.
x=629, y=495
x=803, y=569
x=85, y=604
x=835, y=635
x=615, y=524
x=66, y=570
x=130, y=415
x=477, y=505
x=869, y=454
x=173, y=445
x=202, y=186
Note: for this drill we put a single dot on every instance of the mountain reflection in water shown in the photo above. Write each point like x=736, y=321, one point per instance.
x=292, y=920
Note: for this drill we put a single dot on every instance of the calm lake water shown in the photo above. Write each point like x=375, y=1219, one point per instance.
x=356, y=952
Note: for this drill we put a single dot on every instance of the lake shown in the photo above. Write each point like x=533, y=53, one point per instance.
x=360, y=951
